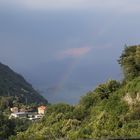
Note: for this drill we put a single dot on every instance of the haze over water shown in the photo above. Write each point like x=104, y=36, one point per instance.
x=67, y=47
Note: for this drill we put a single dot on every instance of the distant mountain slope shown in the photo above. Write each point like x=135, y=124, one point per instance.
x=13, y=84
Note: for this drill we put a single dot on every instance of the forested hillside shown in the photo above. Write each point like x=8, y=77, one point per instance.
x=15, y=92
x=112, y=110
x=16, y=88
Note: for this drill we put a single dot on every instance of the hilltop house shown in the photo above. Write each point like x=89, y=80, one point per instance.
x=42, y=110
x=27, y=114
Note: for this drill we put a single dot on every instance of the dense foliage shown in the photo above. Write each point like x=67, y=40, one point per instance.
x=11, y=127
x=130, y=62
x=93, y=117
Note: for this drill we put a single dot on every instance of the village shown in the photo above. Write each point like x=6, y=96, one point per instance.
x=28, y=114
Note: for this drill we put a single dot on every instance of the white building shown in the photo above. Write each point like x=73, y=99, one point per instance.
x=18, y=115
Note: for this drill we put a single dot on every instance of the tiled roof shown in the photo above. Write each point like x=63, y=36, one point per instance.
x=42, y=107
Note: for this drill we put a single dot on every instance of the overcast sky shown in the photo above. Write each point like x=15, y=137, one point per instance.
x=125, y=5
x=67, y=47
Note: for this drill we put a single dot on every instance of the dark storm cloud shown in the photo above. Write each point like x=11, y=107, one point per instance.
x=67, y=42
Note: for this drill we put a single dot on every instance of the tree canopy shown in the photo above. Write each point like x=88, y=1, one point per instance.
x=130, y=62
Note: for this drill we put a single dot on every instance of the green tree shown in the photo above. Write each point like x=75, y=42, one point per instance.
x=130, y=62
x=105, y=89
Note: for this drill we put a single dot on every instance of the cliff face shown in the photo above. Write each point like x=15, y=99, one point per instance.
x=13, y=84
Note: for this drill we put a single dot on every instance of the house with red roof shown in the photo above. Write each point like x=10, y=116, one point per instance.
x=42, y=110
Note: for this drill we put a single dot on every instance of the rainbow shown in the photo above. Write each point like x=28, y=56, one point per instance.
x=68, y=73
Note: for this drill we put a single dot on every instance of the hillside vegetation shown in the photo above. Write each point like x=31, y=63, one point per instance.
x=112, y=110
x=14, y=87
x=15, y=91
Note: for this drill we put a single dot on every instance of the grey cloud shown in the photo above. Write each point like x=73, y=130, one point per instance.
x=30, y=38
x=123, y=6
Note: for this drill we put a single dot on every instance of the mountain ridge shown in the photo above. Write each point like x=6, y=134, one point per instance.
x=14, y=84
